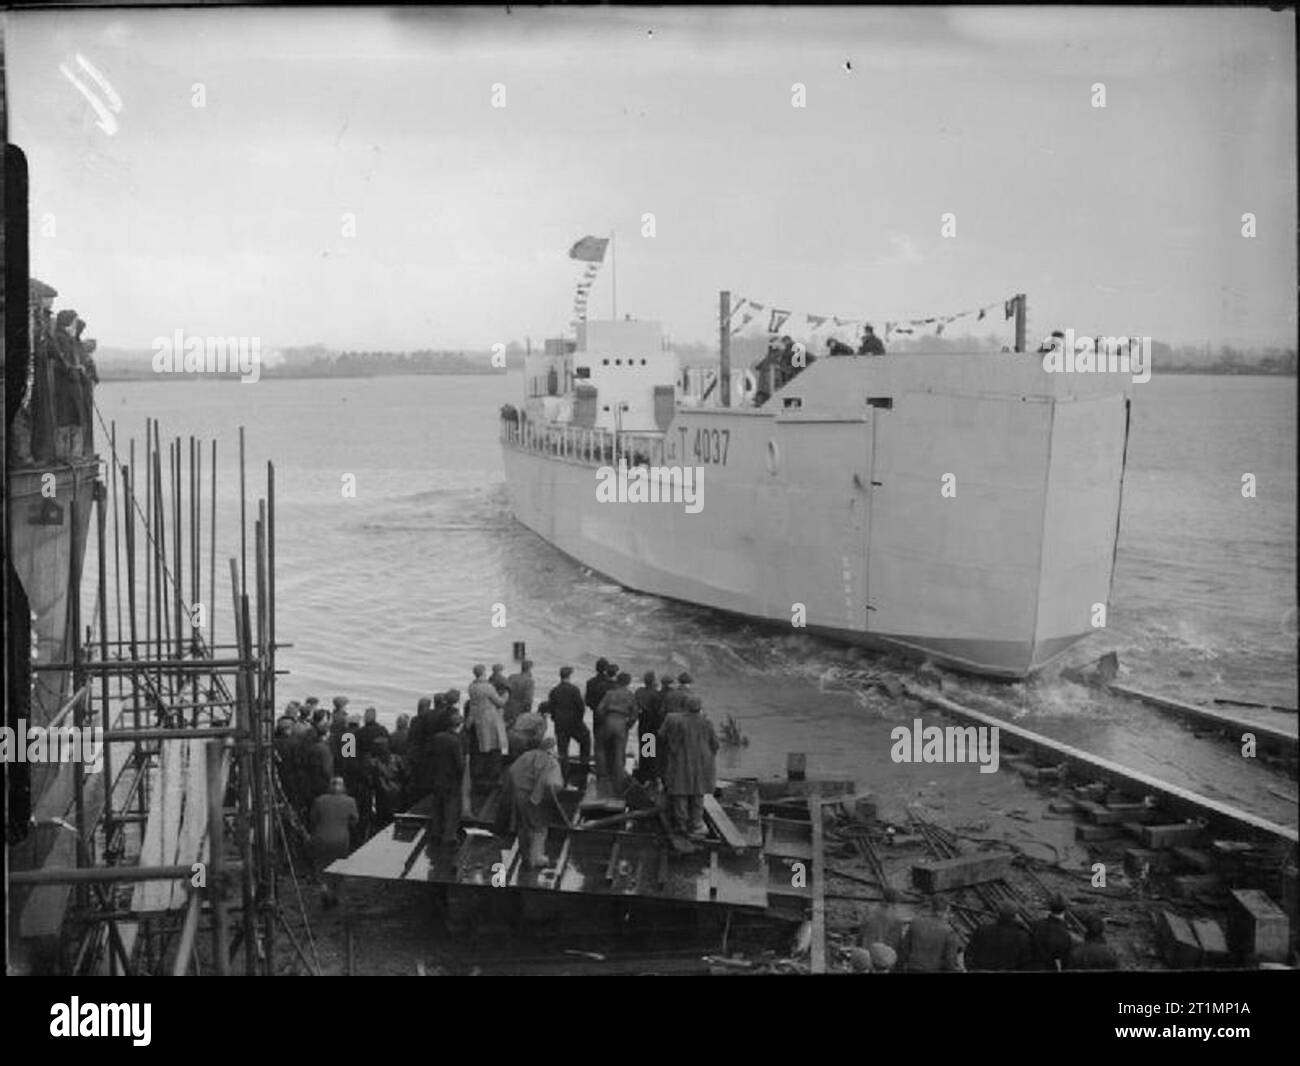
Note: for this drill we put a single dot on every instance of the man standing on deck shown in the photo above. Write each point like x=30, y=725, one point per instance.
x=930, y=945
x=498, y=679
x=527, y=731
x=318, y=761
x=688, y=748
x=369, y=731
x=597, y=685
x=675, y=699
x=1051, y=939
x=333, y=818
x=489, y=729
x=870, y=342
x=649, y=716
x=567, y=714
x=446, y=770
x=520, y=692
x=617, y=712
x=417, y=747
x=534, y=778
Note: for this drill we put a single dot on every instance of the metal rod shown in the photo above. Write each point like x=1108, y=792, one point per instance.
x=212, y=556
x=100, y=874
x=117, y=554
x=217, y=858
x=178, y=578
x=724, y=345
x=243, y=524
x=186, y=947
x=78, y=681
x=122, y=736
x=101, y=518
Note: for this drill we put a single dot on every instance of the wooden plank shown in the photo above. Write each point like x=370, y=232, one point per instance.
x=941, y=875
x=162, y=829
x=1178, y=801
x=191, y=846
x=1269, y=737
x=817, y=883
x=722, y=823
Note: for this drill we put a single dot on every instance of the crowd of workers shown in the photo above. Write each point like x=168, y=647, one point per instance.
x=54, y=417
x=927, y=943
x=348, y=775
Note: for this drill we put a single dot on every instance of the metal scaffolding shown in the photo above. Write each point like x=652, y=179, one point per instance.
x=177, y=835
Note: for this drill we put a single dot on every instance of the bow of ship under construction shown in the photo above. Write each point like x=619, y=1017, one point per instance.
x=958, y=507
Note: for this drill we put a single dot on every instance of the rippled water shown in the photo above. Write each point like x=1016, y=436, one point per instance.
x=389, y=594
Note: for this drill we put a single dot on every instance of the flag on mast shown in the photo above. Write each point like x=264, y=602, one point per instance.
x=589, y=249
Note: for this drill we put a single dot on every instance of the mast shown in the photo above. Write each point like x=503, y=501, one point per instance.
x=724, y=345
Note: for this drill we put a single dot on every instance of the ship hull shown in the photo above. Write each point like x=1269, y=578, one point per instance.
x=976, y=530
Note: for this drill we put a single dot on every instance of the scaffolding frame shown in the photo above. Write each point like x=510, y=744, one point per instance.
x=160, y=678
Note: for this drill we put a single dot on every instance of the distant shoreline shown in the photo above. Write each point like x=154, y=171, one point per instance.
x=106, y=375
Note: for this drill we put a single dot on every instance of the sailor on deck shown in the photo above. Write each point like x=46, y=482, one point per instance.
x=534, y=778
x=871, y=344
x=688, y=747
x=567, y=714
x=489, y=728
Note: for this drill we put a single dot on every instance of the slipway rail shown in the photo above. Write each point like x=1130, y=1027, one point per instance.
x=1279, y=741
x=1178, y=801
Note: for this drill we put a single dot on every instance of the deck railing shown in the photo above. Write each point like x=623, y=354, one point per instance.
x=580, y=444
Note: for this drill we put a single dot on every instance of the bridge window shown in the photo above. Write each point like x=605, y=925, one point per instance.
x=604, y=362
x=583, y=372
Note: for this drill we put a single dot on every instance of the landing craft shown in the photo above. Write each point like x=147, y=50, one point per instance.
x=957, y=507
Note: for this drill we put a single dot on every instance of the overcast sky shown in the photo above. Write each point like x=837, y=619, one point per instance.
x=228, y=218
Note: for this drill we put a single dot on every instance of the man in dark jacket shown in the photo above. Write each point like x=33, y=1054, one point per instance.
x=649, y=707
x=1051, y=939
x=519, y=693
x=1002, y=944
x=930, y=945
x=446, y=771
x=567, y=713
x=689, y=746
x=418, y=742
x=370, y=729
x=1094, y=953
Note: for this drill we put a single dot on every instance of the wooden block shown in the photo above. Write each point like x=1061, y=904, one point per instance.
x=1063, y=806
x=1096, y=832
x=1214, y=946
x=1158, y=862
x=722, y=823
x=1187, y=886
x=1258, y=927
x=1199, y=861
x=1178, y=944
x=1100, y=814
x=944, y=874
x=1138, y=813
x=1169, y=836
x=1049, y=773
